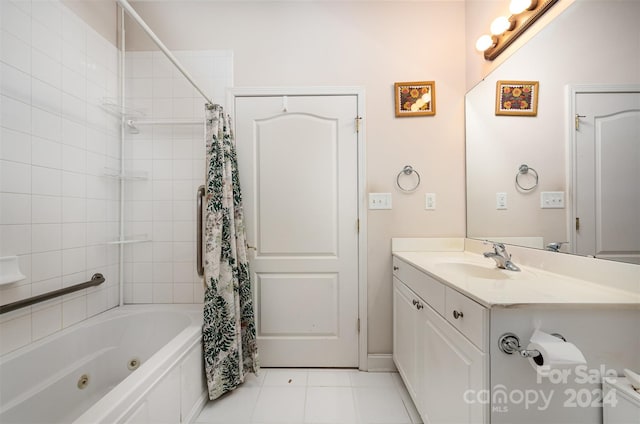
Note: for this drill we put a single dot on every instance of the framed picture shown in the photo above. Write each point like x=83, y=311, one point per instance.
x=518, y=98
x=415, y=98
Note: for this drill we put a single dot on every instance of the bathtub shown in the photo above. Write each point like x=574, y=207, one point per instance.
x=132, y=364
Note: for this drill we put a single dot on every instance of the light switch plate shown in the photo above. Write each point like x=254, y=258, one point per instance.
x=501, y=200
x=552, y=200
x=379, y=200
x=430, y=201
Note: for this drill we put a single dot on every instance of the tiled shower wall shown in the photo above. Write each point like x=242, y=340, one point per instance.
x=161, y=207
x=59, y=131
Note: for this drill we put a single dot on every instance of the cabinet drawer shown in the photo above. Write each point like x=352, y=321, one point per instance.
x=428, y=288
x=469, y=317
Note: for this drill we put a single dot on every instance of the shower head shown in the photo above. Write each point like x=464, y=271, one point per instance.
x=132, y=127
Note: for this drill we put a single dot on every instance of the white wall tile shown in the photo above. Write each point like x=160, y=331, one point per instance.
x=183, y=149
x=15, y=177
x=74, y=30
x=46, y=41
x=162, y=169
x=183, y=231
x=74, y=209
x=73, y=311
x=96, y=256
x=46, y=153
x=46, y=237
x=142, y=293
x=73, y=133
x=15, y=146
x=46, y=209
x=162, y=88
x=73, y=107
x=15, y=240
x=183, y=251
x=15, y=83
x=162, y=251
x=183, y=293
x=73, y=184
x=184, y=210
x=74, y=83
x=45, y=96
x=74, y=159
x=73, y=235
x=15, y=115
x=74, y=260
x=46, y=321
x=46, y=68
x=15, y=208
x=183, y=272
x=16, y=21
x=46, y=124
x=45, y=266
x=46, y=181
x=162, y=293
x=48, y=13
x=74, y=59
x=96, y=302
x=15, y=333
x=15, y=51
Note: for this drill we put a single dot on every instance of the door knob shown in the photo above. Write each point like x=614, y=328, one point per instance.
x=457, y=314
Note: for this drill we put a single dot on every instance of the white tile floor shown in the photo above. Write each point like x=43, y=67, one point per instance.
x=297, y=396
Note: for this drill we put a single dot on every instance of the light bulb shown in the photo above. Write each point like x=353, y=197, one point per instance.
x=519, y=6
x=484, y=42
x=500, y=25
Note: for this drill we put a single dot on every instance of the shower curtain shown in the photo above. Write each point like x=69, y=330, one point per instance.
x=229, y=333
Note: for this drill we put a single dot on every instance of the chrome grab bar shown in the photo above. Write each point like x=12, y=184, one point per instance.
x=199, y=264
x=96, y=279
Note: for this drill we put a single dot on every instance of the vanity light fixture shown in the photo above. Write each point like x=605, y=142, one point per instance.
x=506, y=30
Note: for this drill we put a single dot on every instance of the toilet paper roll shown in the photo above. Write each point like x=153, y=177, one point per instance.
x=554, y=353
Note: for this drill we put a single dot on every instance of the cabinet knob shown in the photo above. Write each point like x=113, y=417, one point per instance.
x=419, y=306
x=415, y=302
x=457, y=314
x=395, y=268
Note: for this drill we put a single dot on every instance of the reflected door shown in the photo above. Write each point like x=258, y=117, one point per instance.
x=607, y=189
x=298, y=169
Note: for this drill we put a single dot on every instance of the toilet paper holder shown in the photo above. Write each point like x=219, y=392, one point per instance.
x=510, y=343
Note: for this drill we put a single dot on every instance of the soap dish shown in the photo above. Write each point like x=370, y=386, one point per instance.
x=10, y=270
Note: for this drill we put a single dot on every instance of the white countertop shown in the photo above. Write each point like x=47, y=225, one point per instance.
x=531, y=286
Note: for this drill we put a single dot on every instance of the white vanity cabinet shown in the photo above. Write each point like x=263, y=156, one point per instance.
x=441, y=357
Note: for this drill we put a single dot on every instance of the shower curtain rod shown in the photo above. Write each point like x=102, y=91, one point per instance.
x=131, y=11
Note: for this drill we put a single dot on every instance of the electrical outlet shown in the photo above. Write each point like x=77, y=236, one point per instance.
x=501, y=200
x=552, y=200
x=430, y=201
x=379, y=200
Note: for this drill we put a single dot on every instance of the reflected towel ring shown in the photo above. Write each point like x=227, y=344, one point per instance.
x=524, y=169
x=408, y=170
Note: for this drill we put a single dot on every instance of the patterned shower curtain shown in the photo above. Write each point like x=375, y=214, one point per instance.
x=229, y=333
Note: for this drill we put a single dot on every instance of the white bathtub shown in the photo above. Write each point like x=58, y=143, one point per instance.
x=40, y=383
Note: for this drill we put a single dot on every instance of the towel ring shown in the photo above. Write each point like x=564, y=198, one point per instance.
x=407, y=170
x=524, y=169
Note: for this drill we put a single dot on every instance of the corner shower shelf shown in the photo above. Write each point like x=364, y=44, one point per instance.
x=142, y=238
x=127, y=175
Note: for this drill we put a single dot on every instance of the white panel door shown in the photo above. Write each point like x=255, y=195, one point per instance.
x=298, y=164
x=608, y=175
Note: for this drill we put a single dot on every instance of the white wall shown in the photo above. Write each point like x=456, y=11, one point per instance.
x=573, y=49
x=57, y=209
x=368, y=44
x=162, y=206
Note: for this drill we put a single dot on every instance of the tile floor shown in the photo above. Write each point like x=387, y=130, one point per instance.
x=297, y=396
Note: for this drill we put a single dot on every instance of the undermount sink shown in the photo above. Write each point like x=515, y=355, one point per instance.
x=481, y=272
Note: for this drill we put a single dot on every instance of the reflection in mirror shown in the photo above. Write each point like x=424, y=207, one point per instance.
x=574, y=50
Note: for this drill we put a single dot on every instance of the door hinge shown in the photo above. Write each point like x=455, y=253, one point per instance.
x=577, y=224
x=578, y=116
x=358, y=325
x=358, y=225
x=358, y=120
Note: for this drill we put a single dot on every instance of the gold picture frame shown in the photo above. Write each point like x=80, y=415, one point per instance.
x=417, y=98
x=517, y=98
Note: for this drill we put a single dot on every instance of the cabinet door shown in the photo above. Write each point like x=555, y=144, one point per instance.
x=452, y=372
x=404, y=335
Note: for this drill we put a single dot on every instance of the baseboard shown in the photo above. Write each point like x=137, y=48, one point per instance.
x=380, y=362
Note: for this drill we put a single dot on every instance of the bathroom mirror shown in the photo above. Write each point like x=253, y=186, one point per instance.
x=575, y=49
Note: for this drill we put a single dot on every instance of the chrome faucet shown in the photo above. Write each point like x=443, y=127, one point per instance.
x=500, y=255
x=555, y=246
